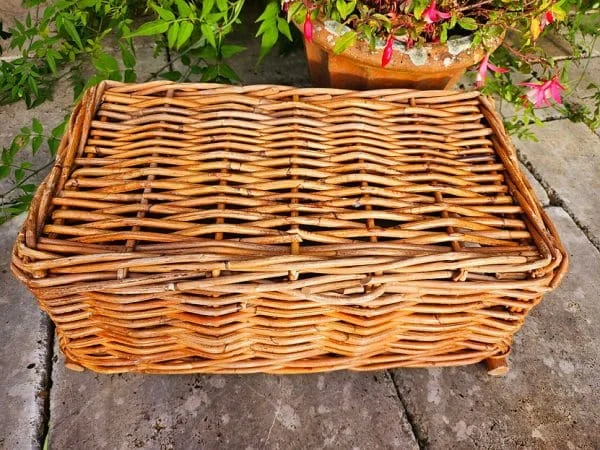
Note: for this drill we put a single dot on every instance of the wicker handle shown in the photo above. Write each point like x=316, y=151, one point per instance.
x=337, y=299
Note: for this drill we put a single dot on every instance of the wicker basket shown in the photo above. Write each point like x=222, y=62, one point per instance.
x=209, y=228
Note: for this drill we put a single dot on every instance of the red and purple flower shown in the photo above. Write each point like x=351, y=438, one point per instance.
x=483, y=70
x=434, y=15
x=547, y=19
x=540, y=93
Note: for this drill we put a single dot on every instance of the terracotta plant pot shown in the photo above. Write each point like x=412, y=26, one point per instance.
x=434, y=66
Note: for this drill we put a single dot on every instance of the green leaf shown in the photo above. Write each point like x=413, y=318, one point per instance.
x=115, y=75
x=94, y=81
x=36, y=143
x=222, y=5
x=344, y=41
x=229, y=73
x=127, y=56
x=444, y=33
x=4, y=172
x=284, y=28
x=209, y=34
x=59, y=130
x=268, y=40
x=294, y=10
x=345, y=9
x=185, y=31
x=229, y=50
x=418, y=11
x=453, y=20
x=210, y=73
x=70, y=29
x=103, y=62
x=468, y=23
x=172, y=34
x=174, y=75
x=150, y=29
x=129, y=76
x=184, y=9
x=163, y=13
x=6, y=157
x=51, y=63
x=271, y=11
x=19, y=175
x=207, y=53
x=32, y=3
x=36, y=126
x=207, y=6
x=53, y=144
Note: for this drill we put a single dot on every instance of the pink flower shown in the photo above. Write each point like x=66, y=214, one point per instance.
x=386, y=57
x=434, y=15
x=547, y=19
x=308, y=28
x=483, y=69
x=540, y=93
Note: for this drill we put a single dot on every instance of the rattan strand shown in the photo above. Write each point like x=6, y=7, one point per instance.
x=207, y=228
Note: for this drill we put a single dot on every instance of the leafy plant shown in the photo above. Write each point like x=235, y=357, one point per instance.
x=16, y=199
x=70, y=41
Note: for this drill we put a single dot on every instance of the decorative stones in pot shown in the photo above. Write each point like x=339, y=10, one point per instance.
x=432, y=66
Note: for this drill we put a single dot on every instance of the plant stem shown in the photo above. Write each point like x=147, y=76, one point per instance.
x=31, y=175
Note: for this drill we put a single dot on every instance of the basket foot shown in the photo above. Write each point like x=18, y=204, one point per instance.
x=73, y=366
x=497, y=365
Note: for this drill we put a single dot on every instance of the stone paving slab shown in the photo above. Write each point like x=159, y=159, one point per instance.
x=583, y=74
x=24, y=334
x=567, y=162
x=290, y=69
x=11, y=10
x=334, y=410
x=549, y=399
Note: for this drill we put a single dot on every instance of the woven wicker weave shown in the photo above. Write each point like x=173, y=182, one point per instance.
x=208, y=228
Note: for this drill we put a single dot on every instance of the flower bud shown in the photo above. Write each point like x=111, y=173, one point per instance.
x=308, y=28
x=386, y=57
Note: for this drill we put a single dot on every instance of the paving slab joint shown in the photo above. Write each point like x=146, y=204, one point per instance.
x=44, y=431
x=419, y=438
x=556, y=200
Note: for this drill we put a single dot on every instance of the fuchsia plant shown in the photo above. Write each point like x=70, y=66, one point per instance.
x=382, y=23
